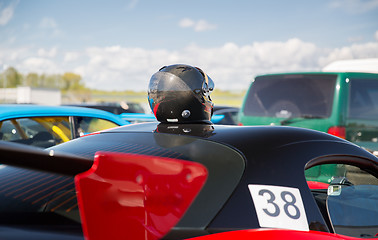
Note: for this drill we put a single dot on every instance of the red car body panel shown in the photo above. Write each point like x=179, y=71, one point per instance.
x=268, y=234
x=128, y=196
x=317, y=185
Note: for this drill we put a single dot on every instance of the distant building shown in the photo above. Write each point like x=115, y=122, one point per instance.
x=30, y=95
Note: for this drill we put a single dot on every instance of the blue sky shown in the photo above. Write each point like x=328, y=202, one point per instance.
x=118, y=45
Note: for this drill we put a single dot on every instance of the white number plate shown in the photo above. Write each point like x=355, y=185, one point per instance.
x=279, y=207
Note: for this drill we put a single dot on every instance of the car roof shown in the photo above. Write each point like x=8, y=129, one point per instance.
x=272, y=155
x=29, y=110
x=237, y=135
x=319, y=73
x=369, y=65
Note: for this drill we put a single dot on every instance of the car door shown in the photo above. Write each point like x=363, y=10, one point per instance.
x=349, y=203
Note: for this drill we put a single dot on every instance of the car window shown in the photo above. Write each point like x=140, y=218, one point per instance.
x=363, y=99
x=350, y=201
x=291, y=96
x=38, y=131
x=230, y=115
x=87, y=125
x=325, y=173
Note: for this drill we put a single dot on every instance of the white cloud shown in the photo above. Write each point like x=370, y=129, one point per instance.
x=39, y=65
x=231, y=66
x=47, y=53
x=355, y=6
x=203, y=25
x=186, y=22
x=198, y=26
x=6, y=13
x=376, y=35
x=71, y=56
x=356, y=51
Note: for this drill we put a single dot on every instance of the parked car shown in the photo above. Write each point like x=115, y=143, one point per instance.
x=46, y=126
x=225, y=115
x=114, y=107
x=178, y=181
x=230, y=115
x=344, y=104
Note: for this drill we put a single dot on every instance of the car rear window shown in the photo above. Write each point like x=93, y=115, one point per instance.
x=291, y=95
x=363, y=99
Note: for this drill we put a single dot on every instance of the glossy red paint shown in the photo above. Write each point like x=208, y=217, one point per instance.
x=337, y=131
x=127, y=196
x=273, y=234
x=317, y=185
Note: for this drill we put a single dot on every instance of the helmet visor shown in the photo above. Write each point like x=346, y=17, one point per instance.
x=210, y=83
x=165, y=81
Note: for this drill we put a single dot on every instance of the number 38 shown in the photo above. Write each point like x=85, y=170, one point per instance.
x=289, y=200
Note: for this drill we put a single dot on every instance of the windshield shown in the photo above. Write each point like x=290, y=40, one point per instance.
x=294, y=95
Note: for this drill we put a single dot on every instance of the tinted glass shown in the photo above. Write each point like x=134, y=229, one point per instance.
x=230, y=115
x=363, y=99
x=49, y=131
x=325, y=173
x=87, y=125
x=351, y=200
x=353, y=204
x=291, y=96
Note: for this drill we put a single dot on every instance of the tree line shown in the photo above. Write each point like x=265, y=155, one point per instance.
x=11, y=78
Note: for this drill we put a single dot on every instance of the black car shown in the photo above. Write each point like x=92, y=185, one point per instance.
x=114, y=107
x=230, y=114
x=138, y=182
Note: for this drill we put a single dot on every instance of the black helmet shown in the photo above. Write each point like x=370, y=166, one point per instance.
x=181, y=94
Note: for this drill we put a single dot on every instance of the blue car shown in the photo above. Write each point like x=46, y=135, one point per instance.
x=46, y=126
x=224, y=115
